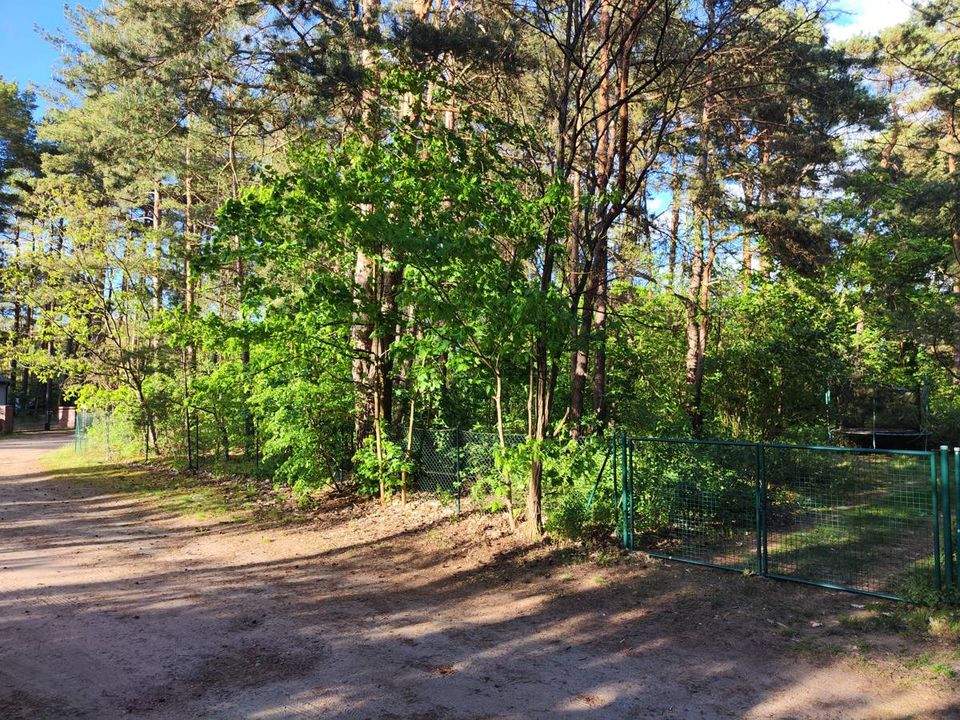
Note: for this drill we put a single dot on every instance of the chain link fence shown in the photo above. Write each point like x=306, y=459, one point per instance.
x=81, y=431
x=111, y=435
x=448, y=461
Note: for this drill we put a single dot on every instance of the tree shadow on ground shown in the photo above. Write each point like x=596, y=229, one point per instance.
x=140, y=616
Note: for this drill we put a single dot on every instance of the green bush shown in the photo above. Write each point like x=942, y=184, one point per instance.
x=301, y=440
x=570, y=474
x=500, y=474
x=389, y=467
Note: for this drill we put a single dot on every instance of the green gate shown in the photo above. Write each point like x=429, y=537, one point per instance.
x=877, y=522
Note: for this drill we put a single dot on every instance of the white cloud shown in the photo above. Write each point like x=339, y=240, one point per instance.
x=854, y=17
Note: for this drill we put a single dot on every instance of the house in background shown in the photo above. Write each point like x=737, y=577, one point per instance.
x=6, y=406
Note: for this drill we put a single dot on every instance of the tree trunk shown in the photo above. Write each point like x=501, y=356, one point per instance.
x=541, y=409
x=498, y=405
x=378, y=440
x=408, y=455
x=676, y=192
x=603, y=163
x=190, y=359
x=361, y=334
x=578, y=362
x=955, y=242
x=534, y=511
x=695, y=341
x=158, y=254
x=600, y=324
x=698, y=289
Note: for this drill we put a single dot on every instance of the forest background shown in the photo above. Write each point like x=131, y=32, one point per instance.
x=297, y=231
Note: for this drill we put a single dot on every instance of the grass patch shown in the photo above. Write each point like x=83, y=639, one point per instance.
x=909, y=621
x=199, y=496
x=932, y=666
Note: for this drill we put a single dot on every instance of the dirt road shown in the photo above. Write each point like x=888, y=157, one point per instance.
x=110, y=608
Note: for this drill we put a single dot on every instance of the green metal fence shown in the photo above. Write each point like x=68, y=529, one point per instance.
x=878, y=522
x=695, y=502
x=448, y=460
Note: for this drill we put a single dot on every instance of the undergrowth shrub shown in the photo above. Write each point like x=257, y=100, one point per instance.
x=369, y=469
x=117, y=431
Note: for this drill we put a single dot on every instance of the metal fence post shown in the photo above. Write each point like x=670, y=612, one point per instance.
x=945, y=507
x=633, y=515
x=760, y=510
x=936, y=521
x=615, y=450
x=956, y=506
x=764, y=512
x=456, y=467
x=623, y=495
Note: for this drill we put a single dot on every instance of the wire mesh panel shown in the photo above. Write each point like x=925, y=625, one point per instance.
x=695, y=500
x=478, y=453
x=858, y=520
x=81, y=430
x=447, y=462
x=437, y=460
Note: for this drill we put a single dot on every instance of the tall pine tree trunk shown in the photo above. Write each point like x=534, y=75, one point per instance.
x=603, y=163
x=698, y=286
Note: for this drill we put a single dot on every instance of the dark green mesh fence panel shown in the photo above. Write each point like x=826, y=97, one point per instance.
x=696, y=501
x=859, y=520
x=448, y=462
x=478, y=453
x=948, y=504
x=436, y=461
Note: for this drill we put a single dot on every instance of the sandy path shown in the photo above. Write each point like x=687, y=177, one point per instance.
x=109, y=608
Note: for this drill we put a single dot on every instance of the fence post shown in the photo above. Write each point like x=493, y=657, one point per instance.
x=630, y=499
x=456, y=467
x=956, y=506
x=623, y=481
x=760, y=509
x=765, y=506
x=615, y=450
x=945, y=508
x=934, y=504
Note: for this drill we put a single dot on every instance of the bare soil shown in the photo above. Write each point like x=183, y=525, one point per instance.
x=111, y=607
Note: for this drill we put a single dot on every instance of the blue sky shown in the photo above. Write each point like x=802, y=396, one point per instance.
x=24, y=55
x=27, y=58
x=865, y=16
